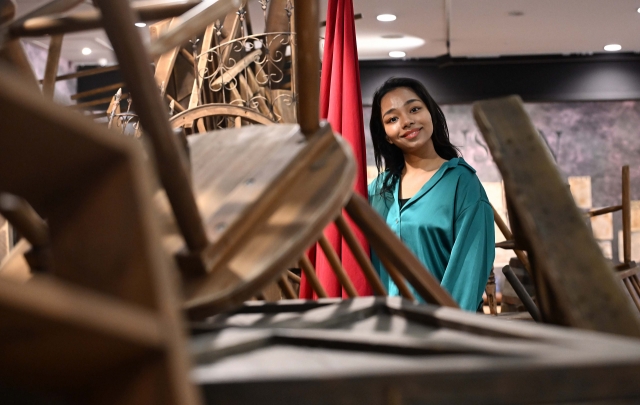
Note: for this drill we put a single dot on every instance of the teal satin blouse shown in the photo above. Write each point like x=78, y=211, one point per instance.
x=448, y=225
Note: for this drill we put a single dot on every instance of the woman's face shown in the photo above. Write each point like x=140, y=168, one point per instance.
x=406, y=119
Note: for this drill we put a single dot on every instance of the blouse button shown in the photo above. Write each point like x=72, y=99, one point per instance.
x=397, y=220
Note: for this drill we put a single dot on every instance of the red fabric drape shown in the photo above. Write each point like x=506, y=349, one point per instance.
x=341, y=105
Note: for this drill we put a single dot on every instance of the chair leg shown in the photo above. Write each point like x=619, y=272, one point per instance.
x=285, y=286
x=490, y=289
x=361, y=256
x=334, y=261
x=312, y=277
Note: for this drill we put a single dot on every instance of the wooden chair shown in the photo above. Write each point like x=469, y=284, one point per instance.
x=574, y=284
x=104, y=324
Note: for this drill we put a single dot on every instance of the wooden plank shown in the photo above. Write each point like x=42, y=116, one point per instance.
x=506, y=232
x=388, y=246
x=626, y=214
x=171, y=164
x=413, y=353
x=51, y=68
x=24, y=218
x=92, y=19
x=194, y=100
x=98, y=90
x=312, y=278
x=307, y=65
x=361, y=256
x=337, y=268
x=13, y=53
x=285, y=287
x=165, y=63
x=568, y=260
x=192, y=23
x=238, y=67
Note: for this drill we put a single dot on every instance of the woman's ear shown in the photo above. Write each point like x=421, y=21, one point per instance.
x=388, y=139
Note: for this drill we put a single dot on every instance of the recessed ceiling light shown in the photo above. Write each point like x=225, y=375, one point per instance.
x=638, y=10
x=397, y=54
x=612, y=47
x=141, y=24
x=86, y=51
x=386, y=17
x=103, y=61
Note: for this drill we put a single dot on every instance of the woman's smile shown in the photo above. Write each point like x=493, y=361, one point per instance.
x=411, y=133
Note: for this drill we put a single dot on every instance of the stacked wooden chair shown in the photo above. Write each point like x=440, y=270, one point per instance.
x=575, y=286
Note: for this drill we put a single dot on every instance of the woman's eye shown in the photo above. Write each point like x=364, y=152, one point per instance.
x=414, y=109
x=391, y=120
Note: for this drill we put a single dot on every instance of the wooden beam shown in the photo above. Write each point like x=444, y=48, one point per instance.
x=99, y=90
x=308, y=65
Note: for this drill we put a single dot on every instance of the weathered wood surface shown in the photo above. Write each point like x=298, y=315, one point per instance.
x=51, y=68
x=575, y=285
x=111, y=300
x=386, y=350
x=270, y=198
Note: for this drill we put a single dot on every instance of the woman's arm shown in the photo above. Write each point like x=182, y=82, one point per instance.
x=472, y=255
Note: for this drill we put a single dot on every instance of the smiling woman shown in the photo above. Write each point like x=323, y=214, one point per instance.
x=429, y=196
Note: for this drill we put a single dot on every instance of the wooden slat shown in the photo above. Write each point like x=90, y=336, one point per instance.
x=165, y=63
x=626, y=214
x=24, y=218
x=286, y=288
x=171, y=165
x=192, y=23
x=218, y=109
x=51, y=68
x=308, y=65
x=194, y=100
x=87, y=72
x=605, y=210
x=312, y=278
x=388, y=246
x=337, y=268
x=91, y=19
x=397, y=279
x=568, y=261
x=238, y=67
x=506, y=232
x=361, y=256
x=98, y=90
x=12, y=52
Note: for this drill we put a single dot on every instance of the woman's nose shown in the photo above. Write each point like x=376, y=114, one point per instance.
x=406, y=122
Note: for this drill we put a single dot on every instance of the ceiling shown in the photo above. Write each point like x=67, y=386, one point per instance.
x=474, y=28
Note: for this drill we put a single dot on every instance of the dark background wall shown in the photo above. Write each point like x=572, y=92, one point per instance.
x=535, y=79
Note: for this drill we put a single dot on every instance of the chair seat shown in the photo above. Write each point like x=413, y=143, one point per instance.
x=265, y=194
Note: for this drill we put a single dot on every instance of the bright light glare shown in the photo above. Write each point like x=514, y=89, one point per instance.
x=141, y=24
x=386, y=17
x=397, y=54
x=86, y=51
x=639, y=10
x=103, y=61
x=612, y=47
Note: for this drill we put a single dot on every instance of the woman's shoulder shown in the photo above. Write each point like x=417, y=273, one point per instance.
x=375, y=186
x=467, y=181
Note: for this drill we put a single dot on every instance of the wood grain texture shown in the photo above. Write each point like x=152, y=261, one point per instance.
x=582, y=291
x=268, y=220
x=372, y=350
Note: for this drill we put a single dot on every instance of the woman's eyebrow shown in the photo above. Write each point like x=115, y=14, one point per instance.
x=407, y=102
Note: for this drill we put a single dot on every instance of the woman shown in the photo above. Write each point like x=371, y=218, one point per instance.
x=428, y=195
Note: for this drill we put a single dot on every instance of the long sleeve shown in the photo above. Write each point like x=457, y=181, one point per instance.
x=472, y=256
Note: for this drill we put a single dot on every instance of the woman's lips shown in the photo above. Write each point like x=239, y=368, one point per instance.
x=411, y=134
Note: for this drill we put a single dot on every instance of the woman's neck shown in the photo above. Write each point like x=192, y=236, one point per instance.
x=426, y=161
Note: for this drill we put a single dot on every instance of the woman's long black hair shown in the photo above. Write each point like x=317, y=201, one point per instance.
x=390, y=153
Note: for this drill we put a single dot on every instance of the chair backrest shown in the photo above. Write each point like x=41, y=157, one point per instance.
x=574, y=284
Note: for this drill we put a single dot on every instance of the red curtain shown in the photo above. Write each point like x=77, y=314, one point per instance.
x=341, y=105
